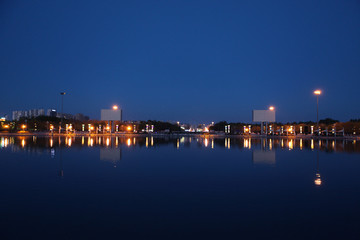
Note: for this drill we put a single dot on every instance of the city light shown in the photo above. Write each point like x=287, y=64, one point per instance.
x=6, y=126
x=129, y=128
x=115, y=107
x=271, y=108
x=317, y=92
x=317, y=180
x=23, y=126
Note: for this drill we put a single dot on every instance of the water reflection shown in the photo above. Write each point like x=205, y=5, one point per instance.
x=264, y=157
x=37, y=143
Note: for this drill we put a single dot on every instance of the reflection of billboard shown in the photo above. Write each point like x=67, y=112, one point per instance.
x=263, y=116
x=110, y=154
x=264, y=157
x=110, y=115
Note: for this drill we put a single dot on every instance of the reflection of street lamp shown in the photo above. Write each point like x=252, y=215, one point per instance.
x=317, y=180
x=317, y=93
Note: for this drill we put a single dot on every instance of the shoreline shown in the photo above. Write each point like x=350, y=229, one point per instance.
x=202, y=135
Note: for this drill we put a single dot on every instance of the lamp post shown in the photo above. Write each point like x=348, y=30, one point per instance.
x=62, y=109
x=317, y=93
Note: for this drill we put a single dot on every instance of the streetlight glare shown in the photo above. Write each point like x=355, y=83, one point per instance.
x=317, y=92
x=271, y=108
x=115, y=107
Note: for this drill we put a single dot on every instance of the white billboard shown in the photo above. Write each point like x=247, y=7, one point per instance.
x=263, y=115
x=111, y=115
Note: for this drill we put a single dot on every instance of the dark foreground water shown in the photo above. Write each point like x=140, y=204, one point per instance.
x=178, y=188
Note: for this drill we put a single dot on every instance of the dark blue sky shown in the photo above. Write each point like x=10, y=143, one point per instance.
x=182, y=60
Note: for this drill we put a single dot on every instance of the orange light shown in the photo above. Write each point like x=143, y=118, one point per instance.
x=23, y=126
x=6, y=126
x=317, y=181
x=129, y=128
x=91, y=128
x=115, y=107
x=271, y=108
x=317, y=92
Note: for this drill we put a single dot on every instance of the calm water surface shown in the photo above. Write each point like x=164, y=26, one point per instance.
x=179, y=188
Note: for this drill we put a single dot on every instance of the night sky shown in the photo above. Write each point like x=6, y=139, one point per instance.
x=192, y=61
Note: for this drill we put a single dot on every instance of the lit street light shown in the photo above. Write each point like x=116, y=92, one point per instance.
x=317, y=93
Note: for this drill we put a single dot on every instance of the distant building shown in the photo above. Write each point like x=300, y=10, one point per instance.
x=81, y=117
x=51, y=113
x=33, y=113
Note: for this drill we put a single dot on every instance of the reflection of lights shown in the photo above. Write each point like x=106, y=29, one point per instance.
x=333, y=144
x=228, y=144
x=312, y=143
x=206, y=142
x=177, y=143
x=152, y=141
x=90, y=142
x=134, y=141
x=147, y=142
x=317, y=180
x=270, y=144
x=69, y=142
x=301, y=144
x=4, y=142
x=282, y=143
x=117, y=141
x=107, y=142
x=82, y=140
x=51, y=142
x=246, y=143
x=128, y=142
x=23, y=143
x=212, y=143
x=291, y=144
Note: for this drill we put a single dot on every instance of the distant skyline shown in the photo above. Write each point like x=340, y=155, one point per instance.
x=189, y=61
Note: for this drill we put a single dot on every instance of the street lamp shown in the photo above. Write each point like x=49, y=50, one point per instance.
x=317, y=93
x=271, y=108
x=62, y=109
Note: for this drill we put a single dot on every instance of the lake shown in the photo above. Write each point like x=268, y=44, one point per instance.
x=179, y=188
